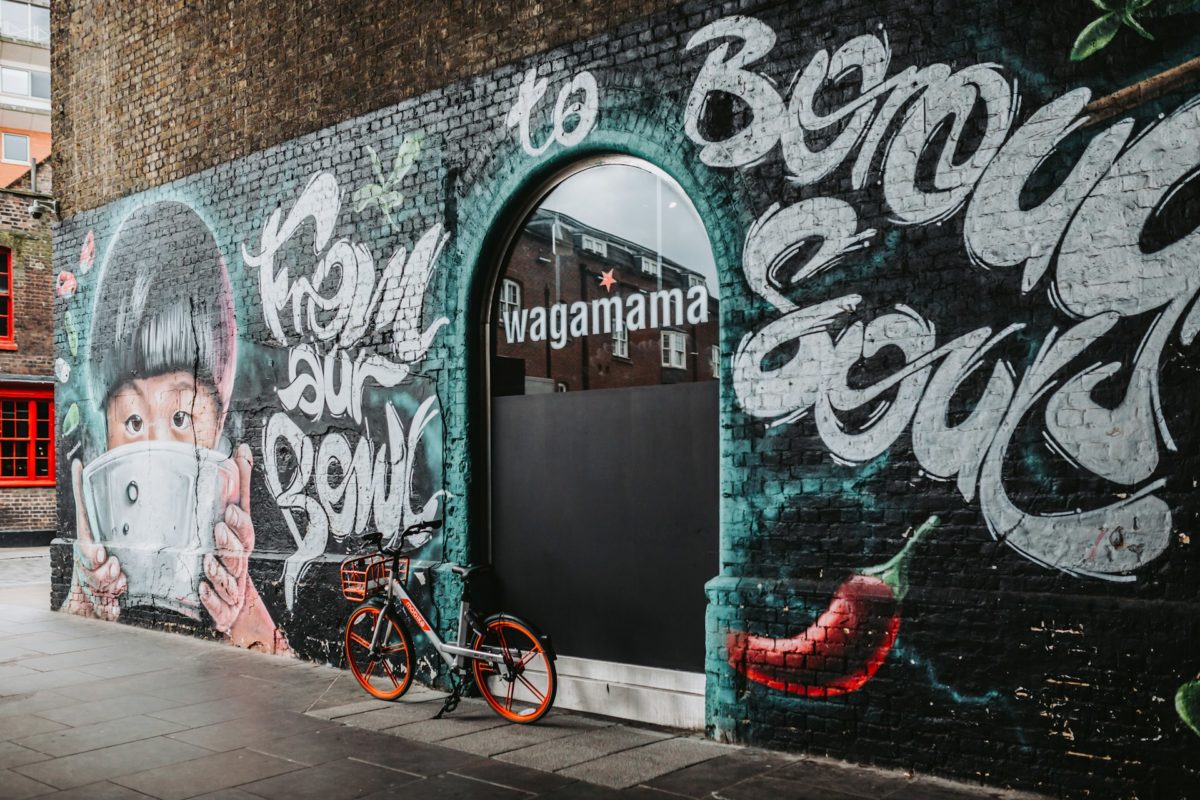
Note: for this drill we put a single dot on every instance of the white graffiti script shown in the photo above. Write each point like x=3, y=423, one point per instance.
x=326, y=319
x=583, y=109
x=1088, y=230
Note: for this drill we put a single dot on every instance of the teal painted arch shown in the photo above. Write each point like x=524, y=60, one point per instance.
x=506, y=187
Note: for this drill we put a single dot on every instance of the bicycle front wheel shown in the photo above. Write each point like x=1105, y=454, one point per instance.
x=386, y=671
x=520, y=688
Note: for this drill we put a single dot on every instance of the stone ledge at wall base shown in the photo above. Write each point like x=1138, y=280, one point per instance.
x=919, y=679
x=26, y=538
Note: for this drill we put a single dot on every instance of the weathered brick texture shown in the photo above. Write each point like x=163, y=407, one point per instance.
x=942, y=294
x=27, y=509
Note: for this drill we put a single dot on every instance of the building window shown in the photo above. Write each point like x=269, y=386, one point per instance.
x=6, y=300
x=695, y=280
x=620, y=342
x=25, y=21
x=597, y=246
x=714, y=360
x=674, y=349
x=510, y=299
x=24, y=82
x=651, y=266
x=16, y=149
x=26, y=438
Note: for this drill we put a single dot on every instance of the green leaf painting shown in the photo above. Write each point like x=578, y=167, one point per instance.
x=72, y=334
x=1124, y=13
x=70, y=420
x=384, y=191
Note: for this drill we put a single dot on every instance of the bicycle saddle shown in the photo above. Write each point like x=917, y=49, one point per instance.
x=466, y=572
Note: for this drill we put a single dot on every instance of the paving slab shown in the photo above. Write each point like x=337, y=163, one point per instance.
x=451, y=787
x=334, y=780
x=506, y=738
x=210, y=773
x=18, y=787
x=559, y=754
x=14, y=755
x=249, y=731
x=16, y=726
x=640, y=764
x=703, y=779
x=97, y=735
x=110, y=762
x=103, y=790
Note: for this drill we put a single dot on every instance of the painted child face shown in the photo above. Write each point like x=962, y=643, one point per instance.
x=170, y=407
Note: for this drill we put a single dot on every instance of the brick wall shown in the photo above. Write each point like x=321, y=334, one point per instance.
x=33, y=285
x=191, y=114
x=26, y=509
x=952, y=300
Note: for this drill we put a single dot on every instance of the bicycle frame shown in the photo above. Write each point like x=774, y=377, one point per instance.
x=452, y=654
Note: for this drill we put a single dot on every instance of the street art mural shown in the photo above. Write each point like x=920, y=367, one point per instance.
x=958, y=281
x=163, y=457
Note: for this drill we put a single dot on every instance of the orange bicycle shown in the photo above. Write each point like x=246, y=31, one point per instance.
x=512, y=663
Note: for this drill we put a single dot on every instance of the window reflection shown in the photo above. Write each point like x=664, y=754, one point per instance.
x=610, y=283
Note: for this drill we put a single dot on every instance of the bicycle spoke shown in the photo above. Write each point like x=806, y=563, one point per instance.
x=370, y=668
x=530, y=656
x=358, y=640
x=540, y=697
x=388, y=669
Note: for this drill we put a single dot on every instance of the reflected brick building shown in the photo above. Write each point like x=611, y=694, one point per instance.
x=559, y=261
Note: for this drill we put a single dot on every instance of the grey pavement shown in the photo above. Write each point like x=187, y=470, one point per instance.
x=96, y=710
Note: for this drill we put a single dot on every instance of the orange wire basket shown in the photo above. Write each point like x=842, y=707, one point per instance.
x=364, y=575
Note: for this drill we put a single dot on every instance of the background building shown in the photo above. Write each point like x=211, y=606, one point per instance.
x=27, y=286
x=937, y=512
x=24, y=86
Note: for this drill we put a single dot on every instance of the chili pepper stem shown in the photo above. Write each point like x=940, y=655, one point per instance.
x=894, y=572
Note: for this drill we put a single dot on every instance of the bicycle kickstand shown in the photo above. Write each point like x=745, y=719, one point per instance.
x=453, y=698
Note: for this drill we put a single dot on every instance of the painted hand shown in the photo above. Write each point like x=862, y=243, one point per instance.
x=227, y=570
x=97, y=580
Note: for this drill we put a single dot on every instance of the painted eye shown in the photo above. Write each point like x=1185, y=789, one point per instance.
x=133, y=425
x=181, y=420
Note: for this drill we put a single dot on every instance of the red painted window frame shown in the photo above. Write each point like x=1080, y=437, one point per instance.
x=32, y=396
x=8, y=341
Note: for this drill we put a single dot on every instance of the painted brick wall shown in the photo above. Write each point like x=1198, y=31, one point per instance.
x=942, y=295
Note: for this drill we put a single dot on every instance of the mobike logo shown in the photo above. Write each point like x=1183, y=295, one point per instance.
x=412, y=610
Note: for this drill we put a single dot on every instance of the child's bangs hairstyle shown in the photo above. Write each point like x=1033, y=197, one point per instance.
x=164, y=304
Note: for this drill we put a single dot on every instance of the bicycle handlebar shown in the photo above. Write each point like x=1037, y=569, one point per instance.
x=376, y=537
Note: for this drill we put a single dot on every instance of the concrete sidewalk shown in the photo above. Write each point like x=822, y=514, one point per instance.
x=98, y=710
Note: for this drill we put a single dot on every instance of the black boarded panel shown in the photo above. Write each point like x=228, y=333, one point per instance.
x=605, y=518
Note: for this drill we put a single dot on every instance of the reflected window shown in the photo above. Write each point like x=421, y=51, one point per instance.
x=609, y=283
x=620, y=343
x=674, y=349
x=510, y=299
x=598, y=246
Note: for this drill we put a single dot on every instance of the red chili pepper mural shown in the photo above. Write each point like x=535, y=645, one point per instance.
x=845, y=646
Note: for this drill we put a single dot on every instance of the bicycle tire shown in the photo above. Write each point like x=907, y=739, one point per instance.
x=527, y=681
x=389, y=676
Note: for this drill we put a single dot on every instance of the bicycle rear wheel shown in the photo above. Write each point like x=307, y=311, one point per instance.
x=387, y=672
x=522, y=688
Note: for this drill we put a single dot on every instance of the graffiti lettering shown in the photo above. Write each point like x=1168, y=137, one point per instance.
x=334, y=488
x=583, y=110
x=1089, y=230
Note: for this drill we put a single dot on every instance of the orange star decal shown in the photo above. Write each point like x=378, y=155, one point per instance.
x=607, y=280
